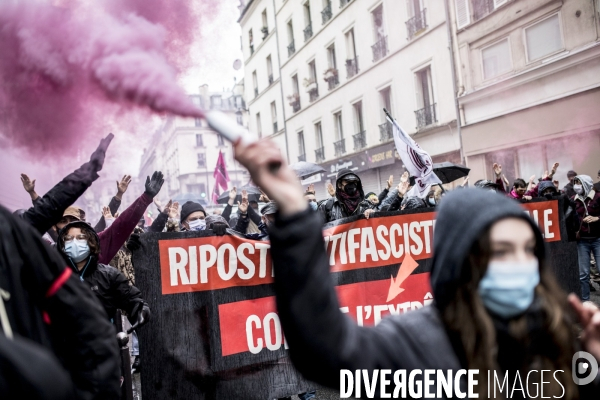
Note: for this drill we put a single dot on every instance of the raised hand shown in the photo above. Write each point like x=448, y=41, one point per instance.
x=28, y=184
x=555, y=182
x=589, y=318
x=390, y=182
x=168, y=207
x=546, y=175
x=97, y=157
x=232, y=196
x=243, y=207
x=122, y=186
x=158, y=203
x=497, y=169
x=263, y=197
x=532, y=179
x=154, y=184
x=330, y=189
x=107, y=214
x=554, y=168
x=174, y=210
x=368, y=213
x=244, y=197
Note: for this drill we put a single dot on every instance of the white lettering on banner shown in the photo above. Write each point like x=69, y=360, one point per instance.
x=229, y=260
x=546, y=221
x=264, y=329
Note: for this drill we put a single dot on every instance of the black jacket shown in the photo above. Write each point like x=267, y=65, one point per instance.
x=322, y=340
x=109, y=285
x=333, y=209
x=39, y=284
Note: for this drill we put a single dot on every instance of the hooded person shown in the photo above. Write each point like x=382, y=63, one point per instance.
x=586, y=204
x=497, y=304
x=50, y=307
x=349, y=198
x=80, y=247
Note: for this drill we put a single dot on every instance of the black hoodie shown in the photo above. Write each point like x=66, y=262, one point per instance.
x=334, y=208
x=322, y=340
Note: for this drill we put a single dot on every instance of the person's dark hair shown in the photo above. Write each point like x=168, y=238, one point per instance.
x=473, y=334
x=520, y=184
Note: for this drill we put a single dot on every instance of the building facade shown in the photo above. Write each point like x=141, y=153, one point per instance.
x=528, y=78
x=340, y=63
x=187, y=150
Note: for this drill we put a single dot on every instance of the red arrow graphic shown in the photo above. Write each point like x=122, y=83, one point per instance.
x=406, y=268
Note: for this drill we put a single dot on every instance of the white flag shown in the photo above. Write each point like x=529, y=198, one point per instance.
x=416, y=160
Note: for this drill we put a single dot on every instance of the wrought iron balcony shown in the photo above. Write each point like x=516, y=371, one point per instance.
x=302, y=157
x=291, y=49
x=351, y=67
x=386, y=132
x=320, y=155
x=251, y=49
x=270, y=79
x=326, y=13
x=308, y=32
x=380, y=49
x=313, y=94
x=416, y=24
x=255, y=92
x=339, y=147
x=344, y=3
x=426, y=116
x=275, y=130
x=360, y=140
x=295, y=105
x=333, y=81
x=265, y=31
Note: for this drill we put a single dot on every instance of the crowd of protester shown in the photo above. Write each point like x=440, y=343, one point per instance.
x=101, y=257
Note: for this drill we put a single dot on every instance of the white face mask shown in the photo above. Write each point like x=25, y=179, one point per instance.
x=197, y=225
x=578, y=189
x=431, y=201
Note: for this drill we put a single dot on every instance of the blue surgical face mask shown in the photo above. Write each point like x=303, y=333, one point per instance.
x=507, y=288
x=431, y=201
x=197, y=225
x=313, y=205
x=77, y=250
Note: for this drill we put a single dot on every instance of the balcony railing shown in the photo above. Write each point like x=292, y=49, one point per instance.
x=255, y=92
x=265, y=31
x=302, y=157
x=291, y=49
x=295, y=105
x=426, y=116
x=270, y=79
x=308, y=32
x=333, y=81
x=351, y=67
x=326, y=13
x=416, y=24
x=344, y=3
x=380, y=49
x=339, y=147
x=313, y=94
x=320, y=155
x=275, y=130
x=360, y=140
x=386, y=132
x=251, y=49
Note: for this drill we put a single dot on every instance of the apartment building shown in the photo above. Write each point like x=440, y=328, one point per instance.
x=528, y=78
x=340, y=63
x=186, y=150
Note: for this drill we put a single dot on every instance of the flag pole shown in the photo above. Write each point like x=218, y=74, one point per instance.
x=387, y=113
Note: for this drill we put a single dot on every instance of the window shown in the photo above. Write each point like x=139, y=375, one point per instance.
x=308, y=31
x=463, y=14
x=301, y=146
x=294, y=98
x=352, y=60
x=270, y=69
x=417, y=21
x=358, y=117
x=274, y=117
x=220, y=141
x=331, y=56
x=290, y=33
x=201, y=160
x=251, y=41
x=385, y=101
x=258, y=125
x=312, y=87
x=339, y=129
x=378, y=30
x=255, y=83
x=496, y=59
x=199, y=142
x=320, y=150
x=543, y=38
x=425, y=101
x=197, y=121
x=295, y=86
x=265, y=27
x=215, y=101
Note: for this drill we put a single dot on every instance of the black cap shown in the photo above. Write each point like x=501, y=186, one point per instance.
x=269, y=208
x=190, y=207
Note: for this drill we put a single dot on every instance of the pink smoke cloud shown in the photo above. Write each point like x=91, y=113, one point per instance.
x=65, y=71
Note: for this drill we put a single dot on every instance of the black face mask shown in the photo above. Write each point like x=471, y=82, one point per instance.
x=351, y=188
x=549, y=196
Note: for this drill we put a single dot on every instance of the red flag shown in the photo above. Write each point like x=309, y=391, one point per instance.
x=215, y=193
x=221, y=176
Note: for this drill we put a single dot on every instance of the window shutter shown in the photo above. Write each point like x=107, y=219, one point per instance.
x=498, y=3
x=463, y=17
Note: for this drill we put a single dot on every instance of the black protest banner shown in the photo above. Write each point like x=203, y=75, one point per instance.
x=216, y=332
